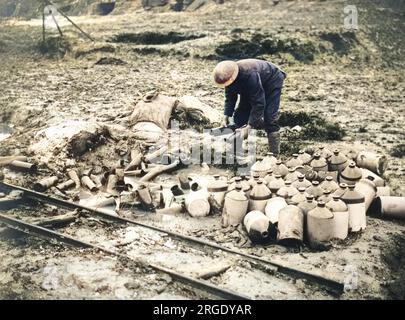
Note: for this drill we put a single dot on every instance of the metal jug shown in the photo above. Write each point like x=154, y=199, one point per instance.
x=273, y=207
x=351, y=175
x=235, y=207
x=341, y=218
x=320, y=225
x=257, y=225
x=290, y=226
x=259, y=196
x=357, y=209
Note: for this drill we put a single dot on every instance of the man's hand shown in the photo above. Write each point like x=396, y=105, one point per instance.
x=243, y=132
x=225, y=121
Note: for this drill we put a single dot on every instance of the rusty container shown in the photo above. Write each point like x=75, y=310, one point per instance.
x=23, y=166
x=72, y=174
x=111, y=187
x=97, y=181
x=145, y=197
x=88, y=183
x=290, y=226
x=66, y=185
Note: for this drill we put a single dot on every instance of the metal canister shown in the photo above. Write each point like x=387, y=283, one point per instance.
x=45, y=184
x=372, y=161
x=294, y=162
x=340, y=216
x=235, y=207
x=338, y=161
x=259, y=196
x=320, y=225
x=290, y=226
x=273, y=207
x=367, y=188
x=197, y=203
x=389, y=207
x=357, y=209
x=351, y=175
x=217, y=189
x=257, y=226
x=319, y=163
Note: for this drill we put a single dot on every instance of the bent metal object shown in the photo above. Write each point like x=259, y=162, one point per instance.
x=291, y=226
x=390, y=207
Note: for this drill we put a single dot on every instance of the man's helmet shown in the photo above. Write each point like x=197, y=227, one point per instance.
x=225, y=73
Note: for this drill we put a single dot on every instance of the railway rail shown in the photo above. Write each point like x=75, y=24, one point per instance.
x=333, y=286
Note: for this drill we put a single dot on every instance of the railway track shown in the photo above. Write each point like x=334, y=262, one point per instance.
x=201, y=250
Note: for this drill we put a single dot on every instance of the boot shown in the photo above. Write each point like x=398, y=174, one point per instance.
x=274, y=142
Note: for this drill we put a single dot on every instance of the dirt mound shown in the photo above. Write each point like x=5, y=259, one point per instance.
x=303, y=47
x=301, y=128
x=154, y=38
x=341, y=42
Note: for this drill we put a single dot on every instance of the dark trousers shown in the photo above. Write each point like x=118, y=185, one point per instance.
x=271, y=109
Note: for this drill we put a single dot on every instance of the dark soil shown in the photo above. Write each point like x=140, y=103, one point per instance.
x=153, y=38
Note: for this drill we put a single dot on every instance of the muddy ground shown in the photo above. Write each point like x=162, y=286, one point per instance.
x=352, y=77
